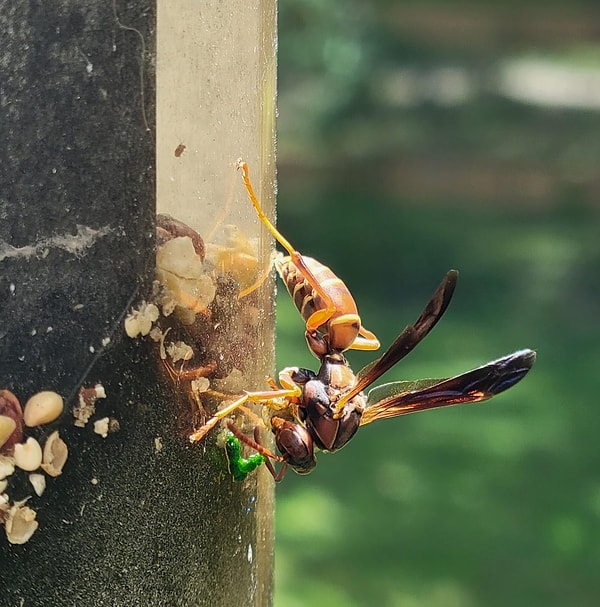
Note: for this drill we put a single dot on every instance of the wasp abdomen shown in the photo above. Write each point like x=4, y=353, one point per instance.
x=306, y=300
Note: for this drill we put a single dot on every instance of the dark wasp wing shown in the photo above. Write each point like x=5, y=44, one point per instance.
x=401, y=398
x=407, y=340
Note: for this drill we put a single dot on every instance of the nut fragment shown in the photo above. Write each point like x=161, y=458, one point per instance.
x=101, y=427
x=7, y=427
x=28, y=455
x=179, y=350
x=11, y=407
x=180, y=269
x=20, y=523
x=55, y=455
x=7, y=466
x=42, y=408
x=168, y=227
x=139, y=321
x=38, y=482
x=86, y=406
x=202, y=384
x=106, y=425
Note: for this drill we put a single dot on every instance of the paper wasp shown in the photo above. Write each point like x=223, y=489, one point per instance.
x=323, y=300
x=324, y=410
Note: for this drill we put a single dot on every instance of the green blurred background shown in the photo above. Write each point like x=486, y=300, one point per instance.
x=415, y=137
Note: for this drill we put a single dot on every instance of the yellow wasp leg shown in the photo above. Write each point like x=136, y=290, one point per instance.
x=368, y=341
x=267, y=398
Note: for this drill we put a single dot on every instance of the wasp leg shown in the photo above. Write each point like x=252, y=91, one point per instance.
x=191, y=373
x=226, y=208
x=367, y=341
x=215, y=419
x=261, y=279
x=261, y=450
x=276, y=399
x=249, y=414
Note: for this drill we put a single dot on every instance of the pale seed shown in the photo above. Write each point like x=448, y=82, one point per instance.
x=42, y=408
x=28, y=455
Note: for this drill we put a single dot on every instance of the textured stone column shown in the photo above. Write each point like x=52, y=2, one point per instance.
x=140, y=517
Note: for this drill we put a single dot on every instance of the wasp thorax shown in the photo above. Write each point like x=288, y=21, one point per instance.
x=331, y=430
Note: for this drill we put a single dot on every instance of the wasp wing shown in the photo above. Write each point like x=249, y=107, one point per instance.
x=407, y=340
x=401, y=398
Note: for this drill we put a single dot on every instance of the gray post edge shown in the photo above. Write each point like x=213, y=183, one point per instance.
x=126, y=523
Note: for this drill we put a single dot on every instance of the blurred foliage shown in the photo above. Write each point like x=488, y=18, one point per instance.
x=482, y=506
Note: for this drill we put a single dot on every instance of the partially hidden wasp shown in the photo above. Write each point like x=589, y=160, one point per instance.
x=324, y=410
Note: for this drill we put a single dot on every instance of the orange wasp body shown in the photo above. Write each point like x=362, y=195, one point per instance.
x=323, y=300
